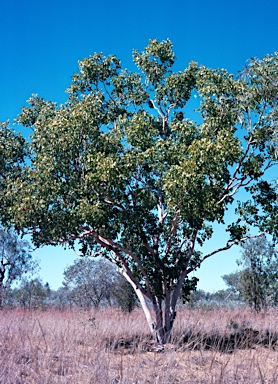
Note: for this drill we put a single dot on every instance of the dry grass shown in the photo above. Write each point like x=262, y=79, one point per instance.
x=217, y=346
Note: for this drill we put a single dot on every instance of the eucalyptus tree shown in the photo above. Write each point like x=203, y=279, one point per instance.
x=123, y=169
x=15, y=254
x=32, y=293
x=15, y=260
x=90, y=282
x=257, y=282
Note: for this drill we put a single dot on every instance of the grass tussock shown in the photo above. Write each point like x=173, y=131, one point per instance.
x=108, y=346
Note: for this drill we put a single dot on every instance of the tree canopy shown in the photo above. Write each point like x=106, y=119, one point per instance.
x=90, y=282
x=257, y=282
x=15, y=260
x=13, y=152
x=123, y=169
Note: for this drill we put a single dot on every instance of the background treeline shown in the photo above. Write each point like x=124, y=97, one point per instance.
x=88, y=283
x=95, y=283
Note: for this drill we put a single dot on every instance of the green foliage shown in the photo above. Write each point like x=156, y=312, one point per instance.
x=90, y=282
x=257, y=283
x=32, y=294
x=228, y=298
x=189, y=287
x=121, y=170
x=233, y=281
x=124, y=295
x=15, y=260
x=13, y=151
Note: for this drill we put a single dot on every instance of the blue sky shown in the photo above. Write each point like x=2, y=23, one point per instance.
x=42, y=41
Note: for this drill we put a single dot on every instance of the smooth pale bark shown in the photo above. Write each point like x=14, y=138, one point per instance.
x=162, y=321
x=142, y=300
x=160, y=326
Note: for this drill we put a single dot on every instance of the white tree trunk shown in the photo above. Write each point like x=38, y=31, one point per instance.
x=142, y=300
x=161, y=324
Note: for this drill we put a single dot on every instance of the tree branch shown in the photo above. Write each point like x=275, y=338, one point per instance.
x=236, y=183
x=184, y=272
x=111, y=245
x=129, y=273
x=173, y=230
x=229, y=245
x=110, y=201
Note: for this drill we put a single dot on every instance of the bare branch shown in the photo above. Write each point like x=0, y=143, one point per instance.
x=240, y=183
x=159, y=111
x=235, y=187
x=229, y=245
x=161, y=215
x=173, y=230
x=113, y=246
x=109, y=200
x=184, y=272
x=237, y=182
x=129, y=273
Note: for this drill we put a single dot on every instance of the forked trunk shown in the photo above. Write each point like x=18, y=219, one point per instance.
x=161, y=324
x=164, y=321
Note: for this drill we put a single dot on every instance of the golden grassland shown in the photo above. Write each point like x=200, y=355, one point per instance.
x=108, y=346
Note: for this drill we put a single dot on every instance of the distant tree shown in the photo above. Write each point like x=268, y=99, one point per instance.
x=257, y=283
x=259, y=279
x=223, y=297
x=90, y=282
x=32, y=294
x=196, y=297
x=124, y=294
x=62, y=298
x=15, y=260
x=233, y=281
x=120, y=170
x=9, y=299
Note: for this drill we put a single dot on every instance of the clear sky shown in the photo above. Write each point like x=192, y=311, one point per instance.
x=42, y=41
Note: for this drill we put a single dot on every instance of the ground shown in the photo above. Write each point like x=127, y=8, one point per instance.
x=108, y=346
